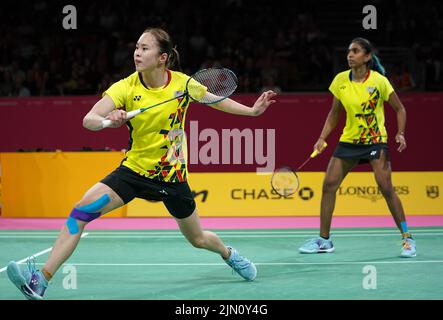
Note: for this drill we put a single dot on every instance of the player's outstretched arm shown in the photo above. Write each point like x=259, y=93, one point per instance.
x=260, y=106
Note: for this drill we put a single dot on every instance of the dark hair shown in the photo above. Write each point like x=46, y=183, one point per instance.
x=165, y=45
x=374, y=63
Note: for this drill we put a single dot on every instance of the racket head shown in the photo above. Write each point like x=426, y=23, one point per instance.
x=285, y=181
x=211, y=85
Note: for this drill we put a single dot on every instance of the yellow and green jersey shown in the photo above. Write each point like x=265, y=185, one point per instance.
x=363, y=102
x=157, y=145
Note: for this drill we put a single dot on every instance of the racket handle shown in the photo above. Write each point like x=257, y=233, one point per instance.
x=106, y=123
x=132, y=114
x=315, y=152
x=129, y=115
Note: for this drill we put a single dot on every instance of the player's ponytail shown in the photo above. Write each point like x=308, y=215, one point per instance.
x=165, y=46
x=374, y=63
x=174, y=59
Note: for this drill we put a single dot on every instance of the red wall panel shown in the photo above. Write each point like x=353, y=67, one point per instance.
x=56, y=123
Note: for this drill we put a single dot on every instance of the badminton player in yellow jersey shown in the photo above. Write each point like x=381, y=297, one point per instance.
x=155, y=164
x=360, y=92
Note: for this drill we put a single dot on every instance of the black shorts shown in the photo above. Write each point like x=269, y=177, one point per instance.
x=128, y=184
x=361, y=152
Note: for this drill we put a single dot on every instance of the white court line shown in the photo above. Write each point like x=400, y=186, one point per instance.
x=39, y=253
x=179, y=236
x=95, y=236
x=220, y=232
x=258, y=263
x=54, y=236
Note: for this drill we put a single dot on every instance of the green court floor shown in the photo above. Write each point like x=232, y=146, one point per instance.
x=162, y=265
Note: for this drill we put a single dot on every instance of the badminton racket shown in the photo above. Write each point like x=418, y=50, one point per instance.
x=207, y=86
x=285, y=180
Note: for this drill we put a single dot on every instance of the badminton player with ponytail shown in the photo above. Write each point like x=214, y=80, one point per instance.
x=155, y=165
x=360, y=92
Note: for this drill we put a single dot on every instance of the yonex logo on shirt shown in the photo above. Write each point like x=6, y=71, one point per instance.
x=373, y=153
x=137, y=98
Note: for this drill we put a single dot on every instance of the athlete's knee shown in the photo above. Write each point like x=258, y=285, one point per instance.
x=86, y=213
x=91, y=206
x=330, y=186
x=198, y=242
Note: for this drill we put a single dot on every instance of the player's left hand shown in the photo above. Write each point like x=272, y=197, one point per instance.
x=118, y=118
x=263, y=102
x=400, y=138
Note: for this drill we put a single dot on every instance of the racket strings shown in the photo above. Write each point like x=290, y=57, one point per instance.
x=285, y=181
x=220, y=83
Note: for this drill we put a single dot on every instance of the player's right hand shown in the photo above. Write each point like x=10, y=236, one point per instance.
x=118, y=118
x=319, y=145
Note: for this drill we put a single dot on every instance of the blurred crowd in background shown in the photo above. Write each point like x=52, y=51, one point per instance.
x=288, y=47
